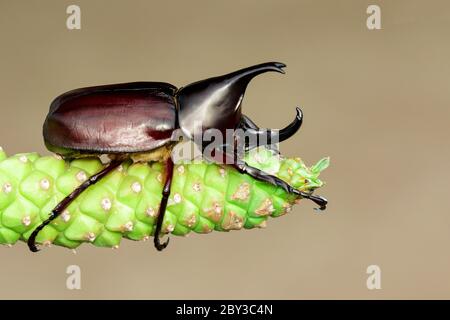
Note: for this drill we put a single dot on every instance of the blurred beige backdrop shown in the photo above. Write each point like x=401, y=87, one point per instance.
x=377, y=102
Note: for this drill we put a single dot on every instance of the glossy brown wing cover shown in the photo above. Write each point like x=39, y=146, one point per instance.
x=118, y=118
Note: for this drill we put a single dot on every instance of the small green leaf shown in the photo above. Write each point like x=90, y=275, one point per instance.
x=321, y=165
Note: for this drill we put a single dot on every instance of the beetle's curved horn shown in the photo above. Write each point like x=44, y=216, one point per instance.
x=271, y=136
x=216, y=102
x=292, y=128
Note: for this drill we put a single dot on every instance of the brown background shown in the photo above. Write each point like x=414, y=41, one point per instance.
x=377, y=102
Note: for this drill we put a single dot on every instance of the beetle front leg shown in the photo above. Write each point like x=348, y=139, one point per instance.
x=219, y=156
x=162, y=207
x=260, y=175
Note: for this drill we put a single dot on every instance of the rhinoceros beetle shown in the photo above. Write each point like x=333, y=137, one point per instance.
x=136, y=120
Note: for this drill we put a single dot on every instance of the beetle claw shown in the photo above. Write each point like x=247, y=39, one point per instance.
x=161, y=246
x=320, y=201
x=34, y=248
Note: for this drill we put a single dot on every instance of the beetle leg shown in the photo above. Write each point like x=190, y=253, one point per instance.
x=162, y=207
x=260, y=175
x=68, y=200
x=242, y=167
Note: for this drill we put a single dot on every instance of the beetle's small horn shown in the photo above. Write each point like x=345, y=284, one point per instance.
x=270, y=136
x=292, y=128
x=216, y=102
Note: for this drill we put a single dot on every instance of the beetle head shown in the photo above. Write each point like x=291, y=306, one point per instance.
x=215, y=103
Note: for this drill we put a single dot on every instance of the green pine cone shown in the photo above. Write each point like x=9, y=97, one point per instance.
x=204, y=197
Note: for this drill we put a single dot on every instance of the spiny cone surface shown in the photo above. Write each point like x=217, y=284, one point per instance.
x=204, y=197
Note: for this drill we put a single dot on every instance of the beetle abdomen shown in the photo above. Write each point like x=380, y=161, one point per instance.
x=119, y=118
